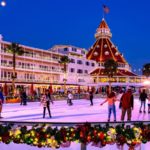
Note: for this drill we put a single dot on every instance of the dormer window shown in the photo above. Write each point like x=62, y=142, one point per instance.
x=74, y=49
x=65, y=49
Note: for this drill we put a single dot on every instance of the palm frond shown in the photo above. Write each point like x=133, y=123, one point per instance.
x=146, y=70
x=14, y=48
x=110, y=67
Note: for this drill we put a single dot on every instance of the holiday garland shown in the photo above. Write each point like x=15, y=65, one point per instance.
x=47, y=136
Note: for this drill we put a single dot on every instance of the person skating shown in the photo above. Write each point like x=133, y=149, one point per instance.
x=23, y=97
x=111, y=99
x=127, y=103
x=45, y=100
x=91, y=97
x=149, y=103
x=143, y=97
x=1, y=102
x=70, y=97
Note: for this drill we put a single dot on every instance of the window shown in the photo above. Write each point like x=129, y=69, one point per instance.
x=79, y=62
x=74, y=49
x=72, y=60
x=92, y=64
x=54, y=57
x=87, y=63
x=72, y=70
x=79, y=71
x=85, y=71
x=23, y=65
x=5, y=74
x=10, y=62
x=65, y=49
x=82, y=52
x=4, y=61
x=81, y=80
x=121, y=65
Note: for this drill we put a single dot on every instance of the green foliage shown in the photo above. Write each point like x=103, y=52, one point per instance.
x=44, y=135
x=110, y=67
x=64, y=60
x=14, y=48
x=146, y=70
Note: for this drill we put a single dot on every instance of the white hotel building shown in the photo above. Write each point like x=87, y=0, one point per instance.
x=41, y=68
x=38, y=68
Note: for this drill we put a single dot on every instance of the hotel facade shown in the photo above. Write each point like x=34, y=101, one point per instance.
x=39, y=68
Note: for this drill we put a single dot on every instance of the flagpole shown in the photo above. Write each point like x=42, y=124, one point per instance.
x=105, y=10
x=103, y=13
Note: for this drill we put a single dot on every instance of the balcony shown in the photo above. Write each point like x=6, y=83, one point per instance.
x=35, y=69
x=8, y=79
x=34, y=57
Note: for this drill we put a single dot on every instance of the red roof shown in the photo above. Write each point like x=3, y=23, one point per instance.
x=104, y=49
x=103, y=24
x=120, y=72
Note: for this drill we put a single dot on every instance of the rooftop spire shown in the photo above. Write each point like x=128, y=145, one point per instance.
x=103, y=31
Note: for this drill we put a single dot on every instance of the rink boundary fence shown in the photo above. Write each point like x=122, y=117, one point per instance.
x=73, y=123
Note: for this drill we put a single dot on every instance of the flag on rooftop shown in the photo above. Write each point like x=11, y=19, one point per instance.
x=106, y=9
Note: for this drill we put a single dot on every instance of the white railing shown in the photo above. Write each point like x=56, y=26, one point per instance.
x=33, y=57
x=35, y=69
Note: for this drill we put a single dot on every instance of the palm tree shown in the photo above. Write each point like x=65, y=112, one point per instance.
x=14, y=49
x=146, y=70
x=110, y=69
x=64, y=60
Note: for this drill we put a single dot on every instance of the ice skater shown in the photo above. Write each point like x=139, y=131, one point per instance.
x=69, y=99
x=23, y=97
x=143, y=97
x=111, y=99
x=91, y=97
x=45, y=101
x=1, y=102
x=149, y=103
x=127, y=104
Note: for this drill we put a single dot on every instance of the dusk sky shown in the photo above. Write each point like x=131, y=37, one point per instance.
x=44, y=23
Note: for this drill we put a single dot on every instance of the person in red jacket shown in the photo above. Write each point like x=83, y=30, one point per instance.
x=127, y=102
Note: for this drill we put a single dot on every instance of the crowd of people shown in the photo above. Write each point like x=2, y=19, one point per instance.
x=126, y=105
x=126, y=100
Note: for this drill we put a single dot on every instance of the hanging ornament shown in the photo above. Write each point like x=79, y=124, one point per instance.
x=97, y=46
x=112, y=46
x=106, y=53
x=95, y=53
x=105, y=46
x=116, y=54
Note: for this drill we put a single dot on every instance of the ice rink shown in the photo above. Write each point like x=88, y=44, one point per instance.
x=80, y=111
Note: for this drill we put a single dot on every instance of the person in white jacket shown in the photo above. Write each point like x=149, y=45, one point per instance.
x=70, y=97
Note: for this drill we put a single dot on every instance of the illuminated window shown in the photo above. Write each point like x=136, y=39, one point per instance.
x=79, y=62
x=79, y=71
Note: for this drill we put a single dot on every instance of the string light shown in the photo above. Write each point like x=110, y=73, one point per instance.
x=3, y=3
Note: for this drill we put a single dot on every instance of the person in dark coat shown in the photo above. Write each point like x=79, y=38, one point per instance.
x=1, y=102
x=91, y=97
x=23, y=97
x=143, y=97
x=127, y=103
